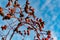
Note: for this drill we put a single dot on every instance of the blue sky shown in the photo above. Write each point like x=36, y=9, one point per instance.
x=48, y=10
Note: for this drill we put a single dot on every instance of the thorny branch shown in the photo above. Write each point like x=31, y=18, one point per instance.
x=36, y=24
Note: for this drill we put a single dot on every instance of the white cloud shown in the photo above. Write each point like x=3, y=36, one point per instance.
x=54, y=17
x=54, y=36
x=45, y=4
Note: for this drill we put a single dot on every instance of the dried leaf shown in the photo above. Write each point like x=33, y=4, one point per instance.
x=1, y=11
x=25, y=32
x=28, y=32
x=20, y=32
x=46, y=39
x=27, y=2
x=26, y=6
x=2, y=14
x=8, y=16
x=49, y=36
x=42, y=24
x=40, y=20
x=43, y=38
x=27, y=20
x=32, y=12
x=8, y=4
x=38, y=35
x=49, y=32
x=4, y=27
